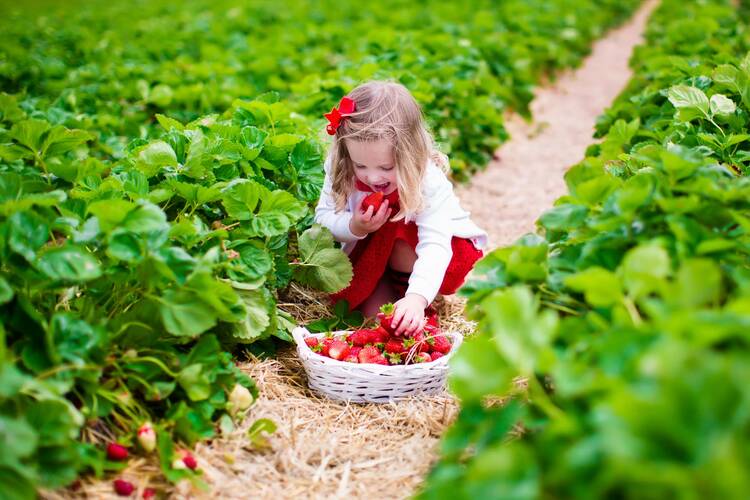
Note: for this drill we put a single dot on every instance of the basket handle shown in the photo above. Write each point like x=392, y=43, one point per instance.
x=299, y=335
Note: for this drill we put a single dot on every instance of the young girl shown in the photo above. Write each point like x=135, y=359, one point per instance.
x=420, y=242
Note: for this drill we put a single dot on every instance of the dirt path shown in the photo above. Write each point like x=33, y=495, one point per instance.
x=527, y=176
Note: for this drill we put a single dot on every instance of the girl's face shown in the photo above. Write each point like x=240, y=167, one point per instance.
x=373, y=164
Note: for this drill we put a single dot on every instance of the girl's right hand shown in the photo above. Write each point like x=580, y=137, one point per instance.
x=364, y=223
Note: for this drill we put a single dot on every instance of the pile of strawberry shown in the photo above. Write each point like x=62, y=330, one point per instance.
x=382, y=346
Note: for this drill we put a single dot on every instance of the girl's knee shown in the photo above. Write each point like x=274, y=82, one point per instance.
x=402, y=257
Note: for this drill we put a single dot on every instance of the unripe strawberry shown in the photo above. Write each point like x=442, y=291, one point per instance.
x=147, y=437
x=123, y=488
x=240, y=398
x=116, y=452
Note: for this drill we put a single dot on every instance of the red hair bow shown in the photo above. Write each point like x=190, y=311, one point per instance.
x=346, y=107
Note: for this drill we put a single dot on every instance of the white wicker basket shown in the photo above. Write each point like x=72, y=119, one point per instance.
x=370, y=382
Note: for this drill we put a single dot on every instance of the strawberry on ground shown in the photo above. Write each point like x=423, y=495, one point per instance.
x=116, y=452
x=338, y=349
x=123, y=488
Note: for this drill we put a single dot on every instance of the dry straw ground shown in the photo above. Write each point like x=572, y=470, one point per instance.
x=325, y=449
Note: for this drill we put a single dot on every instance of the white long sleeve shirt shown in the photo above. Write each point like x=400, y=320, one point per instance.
x=438, y=222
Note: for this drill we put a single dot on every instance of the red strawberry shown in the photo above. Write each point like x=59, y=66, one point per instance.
x=441, y=344
x=116, y=452
x=422, y=357
x=123, y=488
x=394, y=345
x=326, y=345
x=436, y=355
x=386, y=316
x=373, y=200
x=380, y=360
x=360, y=338
x=432, y=317
x=351, y=358
x=421, y=342
x=312, y=342
x=354, y=351
x=149, y=493
x=379, y=335
x=338, y=349
x=371, y=354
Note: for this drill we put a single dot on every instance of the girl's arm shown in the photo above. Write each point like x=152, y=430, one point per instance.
x=434, y=251
x=325, y=213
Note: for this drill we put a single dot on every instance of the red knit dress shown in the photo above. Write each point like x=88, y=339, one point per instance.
x=370, y=257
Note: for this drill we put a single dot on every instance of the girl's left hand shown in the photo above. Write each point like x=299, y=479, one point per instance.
x=408, y=314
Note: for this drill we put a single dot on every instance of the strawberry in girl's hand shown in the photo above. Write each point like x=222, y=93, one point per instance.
x=338, y=350
x=386, y=317
x=373, y=200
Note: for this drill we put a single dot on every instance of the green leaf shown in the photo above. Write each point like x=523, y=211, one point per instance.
x=154, y=156
x=698, y=283
x=324, y=267
x=601, y=288
x=644, y=269
x=69, y=263
x=690, y=102
x=185, y=314
x=168, y=123
x=565, y=216
x=278, y=212
x=241, y=199
x=722, y=105
x=195, y=381
x=30, y=133
x=255, y=433
x=6, y=292
x=257, y=318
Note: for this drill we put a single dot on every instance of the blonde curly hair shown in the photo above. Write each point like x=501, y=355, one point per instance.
x=386, y=110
